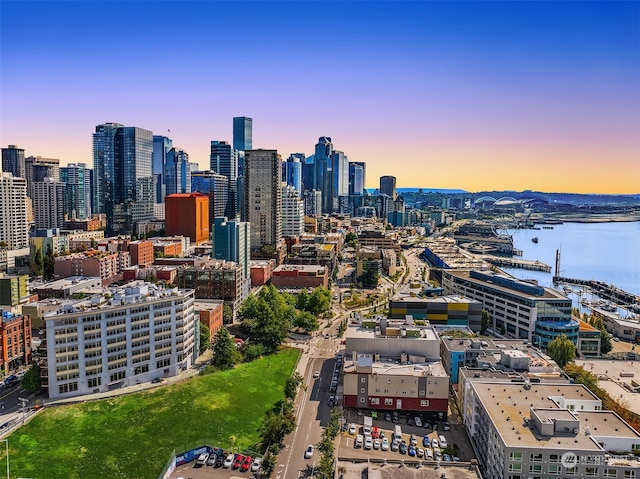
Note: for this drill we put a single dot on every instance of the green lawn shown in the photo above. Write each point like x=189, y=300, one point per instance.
x=133, y=436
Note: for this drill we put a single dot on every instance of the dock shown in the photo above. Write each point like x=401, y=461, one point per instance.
x=603, y=290
x=532, y=265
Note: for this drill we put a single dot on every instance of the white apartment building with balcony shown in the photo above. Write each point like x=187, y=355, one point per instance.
x=119, y=337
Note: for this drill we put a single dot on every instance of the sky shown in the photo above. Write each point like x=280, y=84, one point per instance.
x=478, y=95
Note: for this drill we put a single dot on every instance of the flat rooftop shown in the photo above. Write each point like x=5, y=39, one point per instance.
x=509, y=405
x=414, y=333
x=518, y=377
x=393, y=367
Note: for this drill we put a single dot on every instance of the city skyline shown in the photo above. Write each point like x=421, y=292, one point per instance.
x=470, y=95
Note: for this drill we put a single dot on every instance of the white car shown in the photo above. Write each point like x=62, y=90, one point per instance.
x=376, y=443
x=359, y=441
x=308, y=453
x=228, y=462
x=368, y=442
x=352, y=428
x=385, y=444
x=434, y=443
x=256, y=464
x=418, y=421
x=316, y=374
x=419, y=452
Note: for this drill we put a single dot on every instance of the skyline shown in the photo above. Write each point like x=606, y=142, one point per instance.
x=469, y=95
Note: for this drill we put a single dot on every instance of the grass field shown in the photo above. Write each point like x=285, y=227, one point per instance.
x=133, y=436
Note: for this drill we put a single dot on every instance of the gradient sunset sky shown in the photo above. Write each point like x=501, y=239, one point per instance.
x=476, y=95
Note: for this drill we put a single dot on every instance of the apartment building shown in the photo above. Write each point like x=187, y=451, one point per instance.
x=119, y=337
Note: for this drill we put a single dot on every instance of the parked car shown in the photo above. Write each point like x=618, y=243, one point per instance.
x=446, y=457
x=316, y=374
x=426, y=442
x=434, y=443
x=395, y=446
x=11, y=380
x=455, y=459
x=428, y=453
x=376, y=443
x=219, y=461
x=418, y=421
x=330, y=401
x=443, y=441
x=387, y=417
x=385, y=444
x=403, y=448
x=237, y=461
x=445, y=426
x=359, y=442
x=202, y=459
x=255, y=467
x=368, y=442
x=413, y=440
x=375, y=432
x=308, y=453
x=412, y=451
x=228, y=462
x=352, y=428
x=246, y=463
x=212, y=459
x=419, y=452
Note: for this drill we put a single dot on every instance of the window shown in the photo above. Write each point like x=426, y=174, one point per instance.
x=361, y=390
x=554, y=470
x=610, y=473
x=375, y=401
x=362, y=380
x=515, y=467
x=629, y=474
x=424, y=403
x=362, y=400
x=535, y=468
x=553, y=458
x=535, y=457
x=515, y=456
x=571, y=471
x=94, y=382
x=388, y=402
x=591, y=471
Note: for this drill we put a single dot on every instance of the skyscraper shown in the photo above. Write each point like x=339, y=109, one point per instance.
x=48, y=203
x=223, y=160
x=263, y=197
x=340, y=171
x=292, y=171
x=356, y=178
x=231, y=242
x=242, y=133
x=13, y=161
x=322, y=177
x=292, y=212
x=187, y=214
x=77, y=191
x=123, y=175
x=161, y=147
x=177, y=172
x=388, y=186
x=38, y=168
x=14, y=226
x=216, y=187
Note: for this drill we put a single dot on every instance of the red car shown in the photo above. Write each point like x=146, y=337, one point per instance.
x=246, y=464
x=375, y=433
x=238, y=462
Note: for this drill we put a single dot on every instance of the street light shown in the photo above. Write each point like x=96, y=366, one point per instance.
x=6, y=441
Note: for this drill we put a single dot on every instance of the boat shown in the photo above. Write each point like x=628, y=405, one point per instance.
x=534, y=239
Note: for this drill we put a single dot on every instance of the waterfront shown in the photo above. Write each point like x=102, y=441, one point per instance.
x=608, y=252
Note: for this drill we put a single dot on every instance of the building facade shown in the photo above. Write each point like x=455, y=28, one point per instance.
x=13, y=161
x=38, y=168
x=288, y=276
x=14, y=223
x=263, y=197
x=188, y=215
x=15, y=335
x=231, y=242
x=161, y=147
x=122, y=337
x=123, y=178
x=388, y=186
x=177, y=172
x=77, y=193
x=216, y=187
x=292, y=212
x=48, y=203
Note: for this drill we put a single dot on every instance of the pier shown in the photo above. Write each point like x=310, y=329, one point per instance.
x=604, y=290
x=534, y=265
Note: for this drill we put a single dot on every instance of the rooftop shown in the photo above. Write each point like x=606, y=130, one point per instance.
x=512, y=416
x=385, y=366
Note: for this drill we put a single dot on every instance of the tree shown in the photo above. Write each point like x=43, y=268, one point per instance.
x=370, y=277
x=276, y=426
x=307, y=321
x=267, y=249
x=269, y=460
x=291, y=385
x=267, y=318
x=351, y=239
x=319, y=300
x=227, y=314
x=31, y=380
x=302, y=300
x=605, y=338
x=562, y=350
x=485, y=321
x=225, y=353
x=38, y=263
x=48, y=265
x=205, y=338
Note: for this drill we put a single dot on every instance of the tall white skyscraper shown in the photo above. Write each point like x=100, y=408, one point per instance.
x=14, y=225
x=263, y=197
x=292, y=212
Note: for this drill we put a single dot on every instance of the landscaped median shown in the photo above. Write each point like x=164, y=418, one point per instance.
x=133, y=436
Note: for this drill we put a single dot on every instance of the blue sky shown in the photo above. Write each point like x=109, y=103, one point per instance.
x=440, y=94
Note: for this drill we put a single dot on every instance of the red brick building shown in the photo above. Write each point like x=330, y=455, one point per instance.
x=297, y=276
x=212, y=318
x=15, y=337
x=107, y=266
x=187, y=214
x=141, y=252
x=261, y=271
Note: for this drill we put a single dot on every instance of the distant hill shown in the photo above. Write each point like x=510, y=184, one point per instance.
x=400, y=191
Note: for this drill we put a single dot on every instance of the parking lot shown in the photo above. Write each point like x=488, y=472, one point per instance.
x=456, y=435
x=192, y=470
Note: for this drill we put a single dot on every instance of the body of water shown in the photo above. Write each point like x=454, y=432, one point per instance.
x=608, y=252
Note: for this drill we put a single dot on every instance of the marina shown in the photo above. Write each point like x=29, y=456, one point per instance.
x=532, y=265
x=607, y=292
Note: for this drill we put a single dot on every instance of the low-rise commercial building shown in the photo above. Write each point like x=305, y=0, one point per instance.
x=300, y=276
x=15, y=340
x=119, y=338
x=106, y=266
x=517, y=309
x=65, y=287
